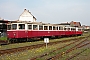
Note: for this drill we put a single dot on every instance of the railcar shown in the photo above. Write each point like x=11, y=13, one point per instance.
x=23, y=30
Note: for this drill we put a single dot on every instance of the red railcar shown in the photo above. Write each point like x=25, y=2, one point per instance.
x=24, y=30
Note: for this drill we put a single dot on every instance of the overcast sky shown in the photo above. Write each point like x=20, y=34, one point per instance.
x=49, y=11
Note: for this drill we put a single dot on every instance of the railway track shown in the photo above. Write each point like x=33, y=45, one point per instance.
x=52, y=51
x=3, y=42
x=13, y=50
x=69, y=50
x=53, y=58
x=78, y=52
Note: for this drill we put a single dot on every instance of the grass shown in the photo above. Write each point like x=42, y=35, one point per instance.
x=83, y=56
x=25, y=55
x=3, y=38
x=3, y=47
x=70, y=54
x=60, y=51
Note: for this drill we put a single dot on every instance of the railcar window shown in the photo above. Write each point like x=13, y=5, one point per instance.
x=21, y=26
x=56, y=28
x=8, y=27
x=53, y=27
x=64, y=28
x=45, y=27
x=68, y=28
x=40, y=27
x=61, y=28
x=14, y=26
x=72, y=29
x=29, y=26
x=35, y=27
x=50, y=27
x=79, y=29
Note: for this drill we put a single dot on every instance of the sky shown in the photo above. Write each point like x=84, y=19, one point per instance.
x=48, y=11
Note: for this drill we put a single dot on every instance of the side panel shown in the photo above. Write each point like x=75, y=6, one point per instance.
x=79, y=32
x=32, y=33
x=17, y=34
x=45, y=33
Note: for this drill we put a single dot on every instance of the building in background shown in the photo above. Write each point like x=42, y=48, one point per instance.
x=72, y=24
x=75, y=24
x=86, y=27
x=27, y=16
